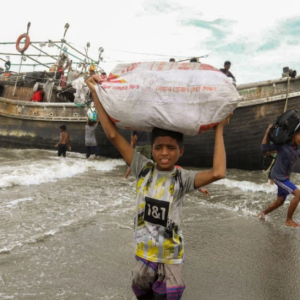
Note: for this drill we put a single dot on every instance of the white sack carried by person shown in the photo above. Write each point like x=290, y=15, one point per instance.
x=82, y=91
x=184, y=97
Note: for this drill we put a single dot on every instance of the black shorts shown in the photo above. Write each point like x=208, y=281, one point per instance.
x=62, y=150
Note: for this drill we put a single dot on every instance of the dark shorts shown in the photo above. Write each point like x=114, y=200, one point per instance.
x=89, y=149
x=62, y=150
x=285, y=188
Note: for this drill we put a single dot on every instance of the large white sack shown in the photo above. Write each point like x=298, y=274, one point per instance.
x=184, y=97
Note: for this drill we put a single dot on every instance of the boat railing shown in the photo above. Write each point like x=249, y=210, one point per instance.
x=264, y=83
x=39, y=104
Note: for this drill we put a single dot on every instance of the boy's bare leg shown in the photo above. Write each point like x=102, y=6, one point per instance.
x=293, y=205
x=127, y=173
x=279, y=201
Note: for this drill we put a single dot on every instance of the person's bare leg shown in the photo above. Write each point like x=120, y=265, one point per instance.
x=274, y=205
x=127, y=173
x=293, y=205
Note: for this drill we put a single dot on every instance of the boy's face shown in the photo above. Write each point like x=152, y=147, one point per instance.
x=297, y=139
x=227, y=67
x=166, y=152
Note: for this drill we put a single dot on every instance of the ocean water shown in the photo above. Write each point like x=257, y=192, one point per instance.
x=66, y=232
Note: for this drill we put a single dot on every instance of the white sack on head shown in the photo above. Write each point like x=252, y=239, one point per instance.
x=183, y=97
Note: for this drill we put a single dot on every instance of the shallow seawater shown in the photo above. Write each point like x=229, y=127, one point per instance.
x=66, y=233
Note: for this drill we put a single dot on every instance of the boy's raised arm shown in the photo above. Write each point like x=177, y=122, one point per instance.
x=108, y=126
x=265, y=145
x=219, y=164
x=265, y=139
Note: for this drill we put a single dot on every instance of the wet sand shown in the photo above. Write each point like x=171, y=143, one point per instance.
x=74, y=238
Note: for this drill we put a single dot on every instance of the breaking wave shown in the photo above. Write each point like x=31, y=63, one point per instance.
x=247, y=186
x=41, y=171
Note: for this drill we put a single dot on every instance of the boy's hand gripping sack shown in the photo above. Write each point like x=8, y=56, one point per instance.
x=284, y=127
x=184, y=97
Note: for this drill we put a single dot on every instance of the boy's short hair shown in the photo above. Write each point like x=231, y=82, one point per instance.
x=156, y=132
x=63, y=127
x=194, y=59
x=227, y=62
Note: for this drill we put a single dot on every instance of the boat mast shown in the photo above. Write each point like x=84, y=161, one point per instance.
x=46, y=54
x=86, y=52
x=67, y=25
x=100, y=58
x=78, y=51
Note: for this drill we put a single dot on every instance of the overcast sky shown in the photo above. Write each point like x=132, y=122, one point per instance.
x=258, y=37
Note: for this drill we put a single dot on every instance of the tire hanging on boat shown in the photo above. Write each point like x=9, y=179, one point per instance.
x=27, y=42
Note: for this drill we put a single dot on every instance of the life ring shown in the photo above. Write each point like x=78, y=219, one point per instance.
x=27, y=42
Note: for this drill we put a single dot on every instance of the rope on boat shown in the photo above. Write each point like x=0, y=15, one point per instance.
x=271, y=165
x=92, y=60
x=287, y=94
x=65, y=91
x=70, y=54
x=14, y=93
x=79, y=105
x=44, y=52
x=36, y=61
x=38, y=78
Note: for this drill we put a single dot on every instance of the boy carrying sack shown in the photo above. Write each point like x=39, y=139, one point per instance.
x=287, y=156
x=160, y=191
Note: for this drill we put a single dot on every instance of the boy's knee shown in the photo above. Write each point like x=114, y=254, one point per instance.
x=296, y=193
x=280, y=200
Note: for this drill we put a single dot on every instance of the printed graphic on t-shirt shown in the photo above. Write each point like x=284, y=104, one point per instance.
x=156, y=211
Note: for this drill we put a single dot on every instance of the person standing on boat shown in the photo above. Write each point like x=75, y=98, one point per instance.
x=60, y=63
x=287, y=156
x=62, y=144
x=91, y=72
x=141, y=142
x=90, y=138
x=226, y=71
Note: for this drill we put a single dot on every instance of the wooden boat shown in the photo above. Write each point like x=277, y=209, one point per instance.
x=262, y=103
x=27, y=124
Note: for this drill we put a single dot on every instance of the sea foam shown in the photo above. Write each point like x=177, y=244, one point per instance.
x=42, y=171
x=248, y=186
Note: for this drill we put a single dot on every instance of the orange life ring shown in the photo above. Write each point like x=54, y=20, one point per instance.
x=27, y=42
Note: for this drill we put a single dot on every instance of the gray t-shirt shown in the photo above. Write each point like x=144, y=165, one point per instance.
x=90, y=136
x=160, y=197
x=142, y=138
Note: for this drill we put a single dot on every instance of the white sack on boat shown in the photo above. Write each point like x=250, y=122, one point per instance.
x=48, y=88
x=82, y=91
x=184, y=97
